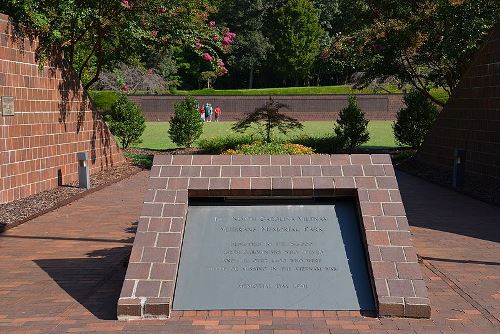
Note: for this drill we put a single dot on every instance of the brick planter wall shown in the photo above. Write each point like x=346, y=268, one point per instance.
x=151, y=275
x=471, y=119
x=53, y=120
x=303, y=107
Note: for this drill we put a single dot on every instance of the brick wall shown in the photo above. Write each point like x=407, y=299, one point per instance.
x=471, y=119
x=54, y=119
x=303, y=107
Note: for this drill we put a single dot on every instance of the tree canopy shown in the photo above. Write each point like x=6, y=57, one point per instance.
x=424, y=44
x=295, y=33
x=98, y=35
x=247, y=19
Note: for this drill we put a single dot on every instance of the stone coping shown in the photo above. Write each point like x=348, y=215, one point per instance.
x=397, y=282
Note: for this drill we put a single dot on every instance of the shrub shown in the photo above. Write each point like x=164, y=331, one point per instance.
x=413, y=122
x=140, y=160
x=217, y=145
x=186, y=126
x=320, y=144
x=126, y=121
x=269, y=118
x=270, y=148
x=352, y=127
x=104, y=100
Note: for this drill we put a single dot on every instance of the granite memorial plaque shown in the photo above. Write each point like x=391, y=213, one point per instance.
x=7, y=105
x=276, y=256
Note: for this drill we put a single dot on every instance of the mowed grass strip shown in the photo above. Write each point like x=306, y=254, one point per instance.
x=156, y=135
x=312, y=90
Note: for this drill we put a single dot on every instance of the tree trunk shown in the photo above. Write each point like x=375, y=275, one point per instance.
x=250, y=78
x=268, y=131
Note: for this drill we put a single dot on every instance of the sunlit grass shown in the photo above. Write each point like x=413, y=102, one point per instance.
x=156, y=134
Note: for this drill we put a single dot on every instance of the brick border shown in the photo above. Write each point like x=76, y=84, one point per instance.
x=320, y=107
x=150, y=280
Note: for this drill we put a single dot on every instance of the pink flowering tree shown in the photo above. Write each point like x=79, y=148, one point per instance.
x=216, y=42
x=95, y=36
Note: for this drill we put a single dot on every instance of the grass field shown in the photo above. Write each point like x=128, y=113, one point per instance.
x=156, y=134
x=438, y=93
x=313, y=90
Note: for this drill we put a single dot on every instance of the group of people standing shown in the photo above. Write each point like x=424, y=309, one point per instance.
x=207, y=113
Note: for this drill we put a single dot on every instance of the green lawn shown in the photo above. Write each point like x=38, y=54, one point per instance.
x=313, y=90
x=438, y=93
x=156, y=134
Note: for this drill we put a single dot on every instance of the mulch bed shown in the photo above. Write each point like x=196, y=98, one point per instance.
x=178, y=151
x=17, y=212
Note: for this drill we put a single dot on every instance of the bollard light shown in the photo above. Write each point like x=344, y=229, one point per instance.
x=459, y=168
x=83, y=170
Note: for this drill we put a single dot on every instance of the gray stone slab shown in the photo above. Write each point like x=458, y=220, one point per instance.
x=8, y=105
x=297, y=257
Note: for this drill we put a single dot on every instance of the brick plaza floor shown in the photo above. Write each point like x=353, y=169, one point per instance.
x=62, y=272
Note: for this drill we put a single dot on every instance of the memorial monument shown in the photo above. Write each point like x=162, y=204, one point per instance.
x=315, y=232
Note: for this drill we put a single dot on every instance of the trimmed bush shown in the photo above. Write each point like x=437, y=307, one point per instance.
x=186, y=126
x=320, y=144
x=413, y=122
x=104, y=100
x=126, y=122
x=270, y=148
x=352, y=126
x=217, y=145
x=141, y=160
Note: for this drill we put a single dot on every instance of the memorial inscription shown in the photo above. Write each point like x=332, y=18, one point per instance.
x=273, y=257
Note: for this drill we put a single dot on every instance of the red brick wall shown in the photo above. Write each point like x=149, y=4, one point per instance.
x=471, y=119
x=303, y=107
x=54, y=119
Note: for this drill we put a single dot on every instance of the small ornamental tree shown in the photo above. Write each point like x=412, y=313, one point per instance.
x=269, y=118
x=126, y=121
x=186, y=126
x=413, y=122
x=352, y=127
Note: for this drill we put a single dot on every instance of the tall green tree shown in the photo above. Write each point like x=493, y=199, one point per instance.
x=247, y=18
x=339, y=18
x=426, y=43
x=295, y=32
x=97, y=35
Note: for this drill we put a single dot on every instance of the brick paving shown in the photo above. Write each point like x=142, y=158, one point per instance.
x=62, y=272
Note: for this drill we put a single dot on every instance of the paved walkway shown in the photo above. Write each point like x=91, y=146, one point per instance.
x=62, y=272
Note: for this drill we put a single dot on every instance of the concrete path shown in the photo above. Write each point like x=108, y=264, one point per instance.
x=62, y=272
